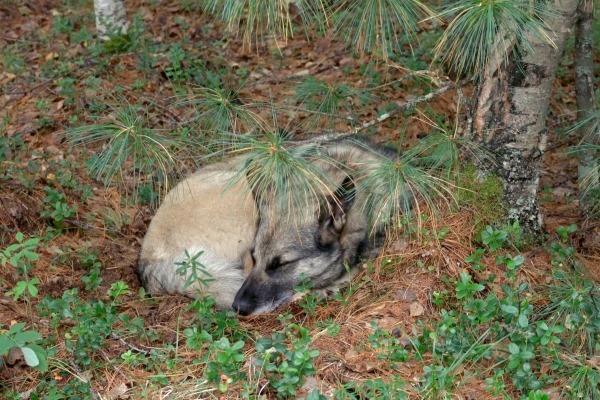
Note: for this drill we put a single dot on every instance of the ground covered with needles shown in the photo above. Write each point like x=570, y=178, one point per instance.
x=430, y=318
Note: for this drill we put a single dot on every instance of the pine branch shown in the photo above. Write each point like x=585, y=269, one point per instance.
x=328, y=137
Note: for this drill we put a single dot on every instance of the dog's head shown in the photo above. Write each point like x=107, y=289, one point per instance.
x=285, y=250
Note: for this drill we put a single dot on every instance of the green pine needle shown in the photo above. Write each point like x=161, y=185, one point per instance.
x=330, y=101
x=282, y=175
x=129, y=148
x=256, y=18
x=217, y=107
x=378, y=26
x=482, y=29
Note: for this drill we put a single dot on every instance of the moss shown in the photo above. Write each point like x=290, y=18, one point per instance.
x=483, y=195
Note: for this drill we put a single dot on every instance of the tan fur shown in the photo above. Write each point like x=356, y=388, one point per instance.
x=201, y=214
x=248, y=263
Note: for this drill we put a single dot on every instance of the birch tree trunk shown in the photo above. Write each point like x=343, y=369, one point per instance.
x=586, y=104
x=509, y=117
x=110, y=18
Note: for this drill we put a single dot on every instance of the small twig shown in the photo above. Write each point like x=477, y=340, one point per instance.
x=129, y=345
x=29, y=90
x=409, y=104
x=108, y=360
x=79, y=376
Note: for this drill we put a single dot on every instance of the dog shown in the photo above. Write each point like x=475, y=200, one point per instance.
x=255, y=251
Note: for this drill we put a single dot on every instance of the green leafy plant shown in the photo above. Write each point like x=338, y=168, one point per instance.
x=16, y=337
x=474, y=260
x=176, y=71
x=193, y=270
x=67, y=90
x=26, y=288
x=310, y=300
x=511, y=263
x=92, y=278
x=535, y=395
x=56, y=208
x=387, y=346
x=224, y=368
x=493, y=238
x=286, y=367
x=392, y=389
x=21, y=255
x=465, y=288
x=12, y=59
x=217, y=324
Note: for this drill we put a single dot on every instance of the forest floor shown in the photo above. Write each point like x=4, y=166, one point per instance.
x=55, y=76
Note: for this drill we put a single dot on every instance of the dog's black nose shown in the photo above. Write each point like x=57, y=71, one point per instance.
x=242, y=306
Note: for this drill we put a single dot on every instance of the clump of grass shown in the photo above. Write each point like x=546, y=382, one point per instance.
x=395, y=187
x=574, y=304
x=482, y=195
x=256, y=18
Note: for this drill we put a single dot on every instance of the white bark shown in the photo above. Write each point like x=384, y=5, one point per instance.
x=110, y=18
x=510, y=115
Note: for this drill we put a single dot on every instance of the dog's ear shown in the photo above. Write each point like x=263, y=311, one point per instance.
x=333, y=216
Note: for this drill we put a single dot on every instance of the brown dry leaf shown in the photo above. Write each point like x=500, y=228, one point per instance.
x=397, y=310
x=6, y=77
x=310, y=384
x=406, y=295
x=119, y=392
x=416, y=309
x=387, y=323
x=397, y=246
x=358, y=362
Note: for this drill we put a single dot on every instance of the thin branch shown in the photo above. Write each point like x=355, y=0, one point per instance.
x=129, y=345
x=399, y=109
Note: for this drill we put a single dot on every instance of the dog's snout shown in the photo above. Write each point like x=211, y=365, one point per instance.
x=242, y=306
x=244, y=303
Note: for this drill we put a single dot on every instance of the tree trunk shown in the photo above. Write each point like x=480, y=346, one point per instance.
x=509, y=117
x=586, y=104
x=110, y=18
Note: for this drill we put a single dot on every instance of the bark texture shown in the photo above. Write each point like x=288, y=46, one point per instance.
x=110, y=18
x=509, y=117
x=586, y=107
